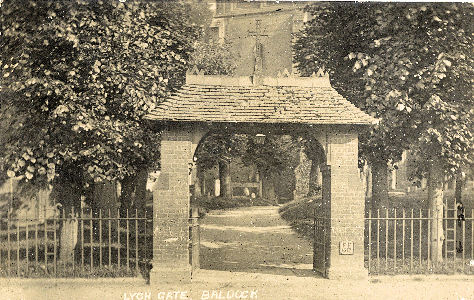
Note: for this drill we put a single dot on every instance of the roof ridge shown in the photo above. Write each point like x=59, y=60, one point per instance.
x=319, y=79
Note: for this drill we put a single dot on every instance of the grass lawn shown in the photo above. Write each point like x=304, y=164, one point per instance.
x=419, y=199
x=63, y=270
x=300, y=213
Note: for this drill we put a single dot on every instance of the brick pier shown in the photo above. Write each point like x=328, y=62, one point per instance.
x=343, y=201
x=171, y=211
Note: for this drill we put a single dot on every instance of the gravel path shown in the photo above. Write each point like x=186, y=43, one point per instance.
x=253, y=239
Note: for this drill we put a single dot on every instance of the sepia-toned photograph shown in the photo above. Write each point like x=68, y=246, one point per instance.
x=236, y=149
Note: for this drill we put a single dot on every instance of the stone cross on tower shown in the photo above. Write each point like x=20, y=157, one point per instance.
x=258, y=49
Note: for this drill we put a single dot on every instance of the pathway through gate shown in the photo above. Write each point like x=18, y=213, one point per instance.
x=253, y=239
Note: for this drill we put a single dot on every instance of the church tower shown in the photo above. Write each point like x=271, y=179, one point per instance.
x=260, y=33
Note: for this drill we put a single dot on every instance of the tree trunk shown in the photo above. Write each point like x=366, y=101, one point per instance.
x=224, y=177
x=68, y=194
x=379, y=185
x=314, y=187
x=368, y=182
x=204, y=186
x=198, y=182
x=140, y=190
x=435, y=200
x=268, y=187
x=104, y=197
x=68, y=239
x=127, y=193
x=197, y=187
x=459, y=187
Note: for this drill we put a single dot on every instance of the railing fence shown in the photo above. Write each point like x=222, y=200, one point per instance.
x=398, y=241
x=88, y=243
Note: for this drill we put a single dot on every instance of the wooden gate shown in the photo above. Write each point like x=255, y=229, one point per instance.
x=321, y=244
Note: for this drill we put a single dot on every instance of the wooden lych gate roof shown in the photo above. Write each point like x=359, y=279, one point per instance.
x=272, y=100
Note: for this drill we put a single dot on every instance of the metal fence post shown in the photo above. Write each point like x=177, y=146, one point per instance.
x=100, y=237
x=378, y=241
x=419, y=238
x=394, y=240
x=386, y=239
x=195, y=238
x=27, y=244
x=128, y=242
x=136, y=240
x=428, y=265
x=91, y=242
x=119, y=245
x=370, y=239
x=110, y=237
x=82, y=238
x=18, y=246
x=403, y=236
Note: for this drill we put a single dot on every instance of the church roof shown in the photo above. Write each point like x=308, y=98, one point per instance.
x=277, y=100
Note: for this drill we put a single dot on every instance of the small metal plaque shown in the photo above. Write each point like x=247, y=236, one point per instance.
x=346, y=248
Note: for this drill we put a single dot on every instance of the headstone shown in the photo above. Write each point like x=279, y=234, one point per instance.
x=217, y=188
x=394, y=179
x=68, y=239
x=423, y=183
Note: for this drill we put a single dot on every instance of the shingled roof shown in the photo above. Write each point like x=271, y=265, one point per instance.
x=304, y=100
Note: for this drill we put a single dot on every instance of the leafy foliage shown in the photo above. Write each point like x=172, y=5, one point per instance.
x=220, y=147
x=274, y=155
x=214, y=58
x=411, y=65
x=78, y=78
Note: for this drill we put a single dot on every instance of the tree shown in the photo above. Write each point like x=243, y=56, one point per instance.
x=78, y=77
x=325, y=42
x=214, y=58
x=316, y=154
x=410, y=65
x=220, y=149
x=271, y=158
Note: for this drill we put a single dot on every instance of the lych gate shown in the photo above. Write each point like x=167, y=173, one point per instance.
x=281, y=105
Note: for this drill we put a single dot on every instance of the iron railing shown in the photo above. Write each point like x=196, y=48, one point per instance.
x=398, y=241
x=88, y=243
